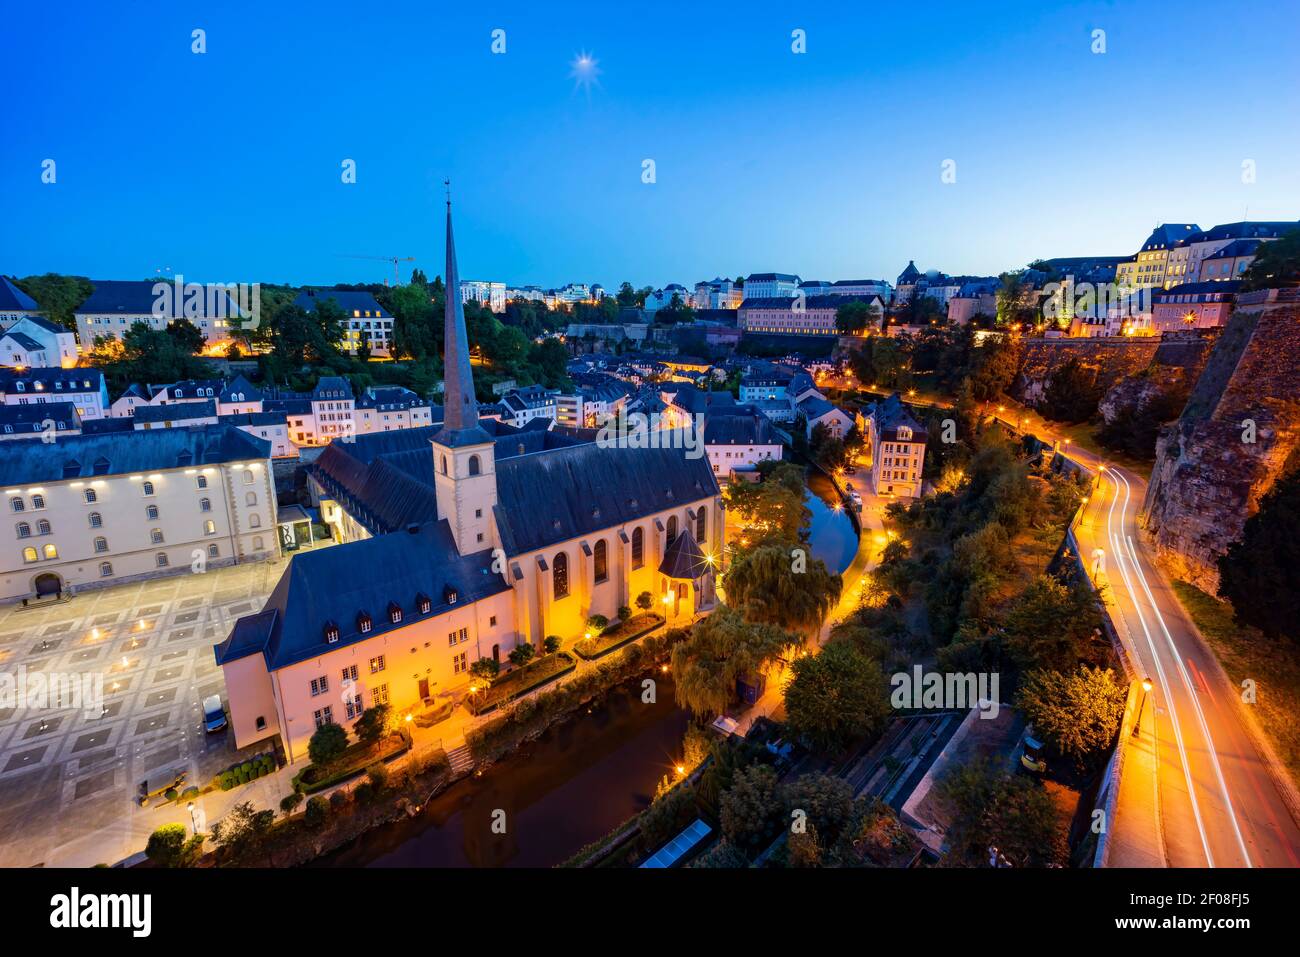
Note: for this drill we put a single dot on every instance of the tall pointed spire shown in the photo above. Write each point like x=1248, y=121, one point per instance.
x=460, y=424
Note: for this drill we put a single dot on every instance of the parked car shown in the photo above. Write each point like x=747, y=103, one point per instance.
x=214, y=716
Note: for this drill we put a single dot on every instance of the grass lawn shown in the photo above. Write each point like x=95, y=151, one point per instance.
x=519, y=681
x=617, y=635
x=1245, y=653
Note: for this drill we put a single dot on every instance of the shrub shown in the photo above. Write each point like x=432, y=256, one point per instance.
x=624, y=612
x=338, y=799
x=289, y=803
x=364, y=792
x=597, y=623
x=190, y=793
x=317, y=811
x=375, y=722
x=329, y=741
x=165, y=844
x=552, y=644
x=171, y=794
x=645, y=601
x=378, y=775
x=522, y=654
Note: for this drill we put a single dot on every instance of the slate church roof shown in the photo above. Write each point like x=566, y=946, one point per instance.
x=323, y=587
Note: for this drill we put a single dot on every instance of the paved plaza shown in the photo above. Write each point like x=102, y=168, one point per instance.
x=68, y=779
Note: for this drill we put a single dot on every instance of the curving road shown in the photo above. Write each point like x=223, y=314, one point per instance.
x=1218, y=805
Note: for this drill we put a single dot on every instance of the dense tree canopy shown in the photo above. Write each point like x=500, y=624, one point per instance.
x=1260, y=574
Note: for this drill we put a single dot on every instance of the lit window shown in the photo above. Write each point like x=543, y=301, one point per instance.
x=377, y=664
x=50, y=551
x=209, y=527
x=30, y=555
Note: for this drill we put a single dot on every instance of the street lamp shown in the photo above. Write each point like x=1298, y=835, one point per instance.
x=1137, y=725
x=194, y=823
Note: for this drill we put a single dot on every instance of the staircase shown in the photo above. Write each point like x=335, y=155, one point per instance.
x=460, y=759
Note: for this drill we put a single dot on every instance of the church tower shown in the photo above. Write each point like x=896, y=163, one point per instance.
x=464, y=463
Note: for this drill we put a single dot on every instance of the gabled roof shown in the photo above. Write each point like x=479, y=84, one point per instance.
x=771, y=277
x=323, y=586
x=1167, y=234
x=910, y=274
x=683, y=558
x=177, y=412
x=1248, y=230
x=50, y=380
x=240, y=386
x=331, y=387
x=41, y=322
x=348, y=300
x=132, y=297
x=13, y=299
x=32, y=418
x=889, y=414
x=749, y=429
x=569, y=492
x=117, y=453
x=1238, y=247
x=23, y=340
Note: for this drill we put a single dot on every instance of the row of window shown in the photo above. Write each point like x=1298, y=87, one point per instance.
x=600, y=554
x=90, y=495
x=49, y=552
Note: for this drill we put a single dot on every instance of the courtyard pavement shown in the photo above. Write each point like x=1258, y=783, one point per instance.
x=69, y=780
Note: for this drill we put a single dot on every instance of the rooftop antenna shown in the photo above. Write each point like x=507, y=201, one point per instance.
x=447, y=184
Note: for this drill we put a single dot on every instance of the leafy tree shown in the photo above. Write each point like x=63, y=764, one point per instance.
x=1276, y=264
x=1077, y=713
x=327, y=743
x=57, y=295
x=289, y=803
x=186, y=336
x=836, y=696
x=722, y=855
x=242, y=828
x=1260, y=573
x=855, y=317
x=826, y=802
x=1015, y=300
x=485, y=669
x=645, y=601
x=1072, y=393
x=1051, y=625
x=751, y=807
x=165, y=845
x=375, y=723
x=318, y=809
x=522, y=654
x=780, y=585
x=993, y=808
x=719, y=650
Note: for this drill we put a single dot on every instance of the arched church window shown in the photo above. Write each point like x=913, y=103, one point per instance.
x=474, y=467
x=600, y=559
x=444, y=465
x=701, y=525
x=672, y=530
x=638, y=547
x=560, y=575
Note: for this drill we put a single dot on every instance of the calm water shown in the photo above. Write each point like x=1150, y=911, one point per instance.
x=572, y=786
x=832, y=536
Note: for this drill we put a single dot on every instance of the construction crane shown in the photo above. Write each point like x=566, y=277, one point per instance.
x=397, y=279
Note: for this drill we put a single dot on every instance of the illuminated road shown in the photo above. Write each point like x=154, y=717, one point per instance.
x=1218, y=804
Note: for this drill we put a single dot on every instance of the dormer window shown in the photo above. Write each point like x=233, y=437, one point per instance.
x=331, y=632
x=450, y=595
x=423, y=603
x=394, y=613
x=364, y=623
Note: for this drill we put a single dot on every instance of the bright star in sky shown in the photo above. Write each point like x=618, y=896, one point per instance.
x=585, y=69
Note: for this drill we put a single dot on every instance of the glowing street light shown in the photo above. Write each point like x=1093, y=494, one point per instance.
x=1137, y=725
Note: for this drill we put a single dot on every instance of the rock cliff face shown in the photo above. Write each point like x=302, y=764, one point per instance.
x=1209, y=477
x=1112, y=360
x=1159, y=384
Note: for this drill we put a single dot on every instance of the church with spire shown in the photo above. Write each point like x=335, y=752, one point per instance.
x=461, y=541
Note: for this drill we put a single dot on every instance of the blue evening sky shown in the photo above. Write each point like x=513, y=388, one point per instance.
x=226, y=166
